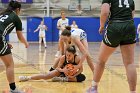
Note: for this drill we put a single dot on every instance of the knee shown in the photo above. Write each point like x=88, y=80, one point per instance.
x=80, y=77
x=101, y=62
x=10, y=65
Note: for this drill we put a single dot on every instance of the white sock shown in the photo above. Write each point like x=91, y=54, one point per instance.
x=132, y=91
x=94, y=83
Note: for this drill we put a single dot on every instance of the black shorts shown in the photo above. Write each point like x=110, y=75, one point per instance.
x=120, y=33
x=4, y=48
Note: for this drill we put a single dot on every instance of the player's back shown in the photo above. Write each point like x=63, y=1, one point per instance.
x=7, y=22
x=121, y=9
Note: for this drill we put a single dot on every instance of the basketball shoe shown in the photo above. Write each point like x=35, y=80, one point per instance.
x=59, y=79
x=24, y=78
x=92, y=89
x=16, y=91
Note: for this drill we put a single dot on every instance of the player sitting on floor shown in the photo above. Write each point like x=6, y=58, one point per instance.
x=65, y=69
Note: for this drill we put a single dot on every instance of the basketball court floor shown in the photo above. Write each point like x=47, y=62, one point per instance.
x=34, y=61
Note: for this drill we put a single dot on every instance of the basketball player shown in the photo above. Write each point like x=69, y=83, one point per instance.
x=42, y=28
x=74, y=25
x=8, y=20
x=119, y=32
x=79, y=38
x=69, y=58
x=61, y=24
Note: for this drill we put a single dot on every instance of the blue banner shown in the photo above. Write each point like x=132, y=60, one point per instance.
x=22, y=1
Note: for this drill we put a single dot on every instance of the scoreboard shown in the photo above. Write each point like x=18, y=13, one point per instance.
x=22, y=1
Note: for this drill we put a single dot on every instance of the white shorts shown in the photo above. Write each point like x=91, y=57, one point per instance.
x=42, y=34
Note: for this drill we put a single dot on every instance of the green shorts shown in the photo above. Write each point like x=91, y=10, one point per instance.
x=4, y=48
x=120, y=33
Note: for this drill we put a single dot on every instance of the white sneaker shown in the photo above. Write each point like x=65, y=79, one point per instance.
x=58, y=54
x=16, y=91
x=59, y=79
x=24, y=78
x=45, y=46
x=92, y=89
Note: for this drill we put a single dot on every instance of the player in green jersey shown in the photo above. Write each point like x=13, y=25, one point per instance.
x=8, y=21
x=120, y=31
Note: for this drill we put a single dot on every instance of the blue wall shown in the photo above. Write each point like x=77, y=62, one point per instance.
x=89, y=24
x=32, y=24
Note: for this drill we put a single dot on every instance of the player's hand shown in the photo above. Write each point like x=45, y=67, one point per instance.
x=10, y=46
x=101, y=29
x=65, y=70
x=26, y=45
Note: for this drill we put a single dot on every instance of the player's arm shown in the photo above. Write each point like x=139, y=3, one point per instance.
x=21, y=38
x=105, y=9
x=18, y=25
x=37, y=29
x=58, y=25
x=77, y=60
x=82, y=50
x=60, y=64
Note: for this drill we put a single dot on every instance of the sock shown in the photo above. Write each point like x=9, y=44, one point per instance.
x=132, y=91
x=94, y=83
x=51, y=69
x=12, y=86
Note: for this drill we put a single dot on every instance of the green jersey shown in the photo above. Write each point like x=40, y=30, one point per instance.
x=120, y=9
x=8, y=21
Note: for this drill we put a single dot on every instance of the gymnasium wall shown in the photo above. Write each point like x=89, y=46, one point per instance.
x=89, y=24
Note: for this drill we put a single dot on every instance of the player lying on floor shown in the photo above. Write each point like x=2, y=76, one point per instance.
x=65, y=69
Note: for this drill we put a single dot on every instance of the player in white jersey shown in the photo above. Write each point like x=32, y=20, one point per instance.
x=61, y=24
x=79, y=38
x=74, y=25
x=42, y=28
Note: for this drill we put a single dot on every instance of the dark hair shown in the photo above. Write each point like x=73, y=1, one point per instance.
x=66, y=33
x=68, y=28
x=71, y=49
x=13, y=5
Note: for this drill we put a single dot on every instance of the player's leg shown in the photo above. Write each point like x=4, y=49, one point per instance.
x=40, y=40
x=44, y=41
x=49, y=75
x=55, y=64
x=104, y=53
x=128, y=59
x=9, y=64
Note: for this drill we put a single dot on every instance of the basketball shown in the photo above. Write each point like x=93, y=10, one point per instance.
x=71, y=70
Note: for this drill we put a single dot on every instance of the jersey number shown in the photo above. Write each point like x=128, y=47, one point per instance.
x=125, y=3
x=2, y=18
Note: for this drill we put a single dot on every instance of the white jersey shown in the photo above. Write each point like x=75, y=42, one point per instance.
x=62, y=23
x=138, y=30
x=42, y=30
x=78, y=33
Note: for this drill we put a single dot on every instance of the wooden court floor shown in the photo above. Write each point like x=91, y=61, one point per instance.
x=34, y=60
